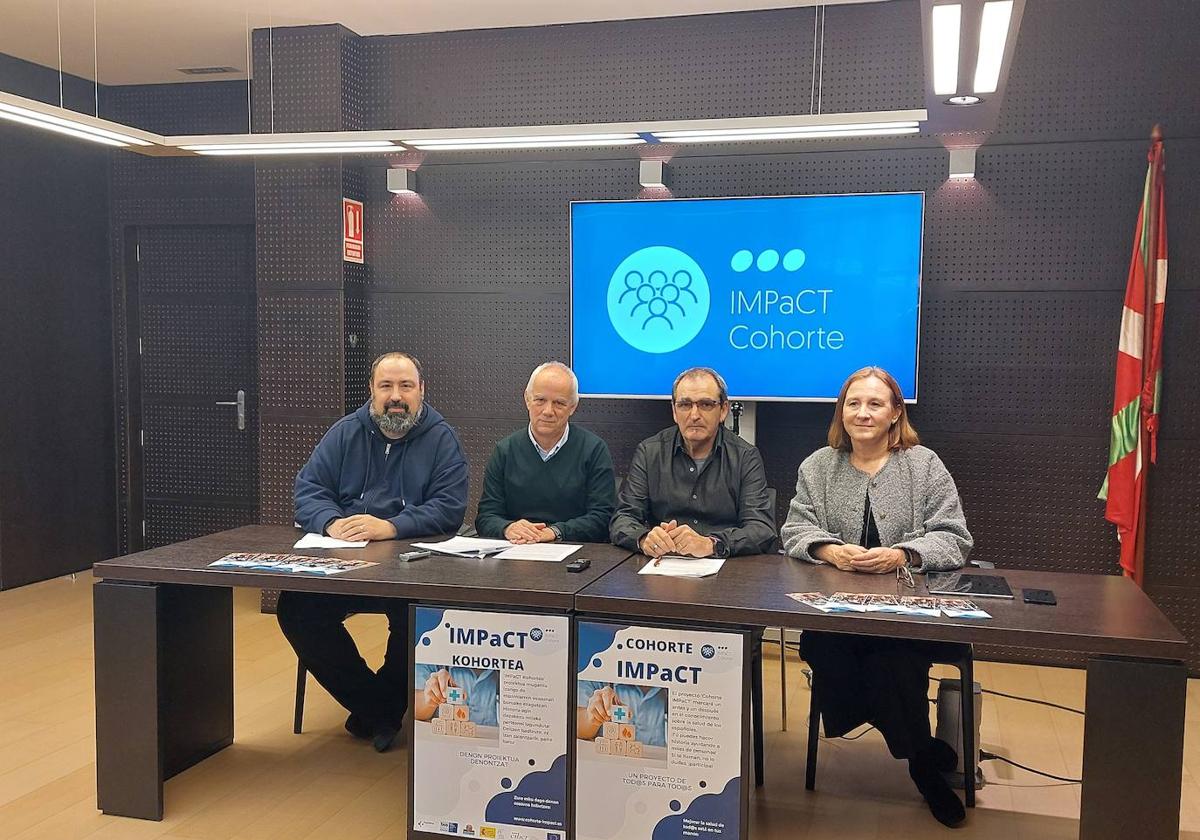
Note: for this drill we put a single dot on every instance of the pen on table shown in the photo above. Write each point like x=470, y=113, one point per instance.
x=657, y=560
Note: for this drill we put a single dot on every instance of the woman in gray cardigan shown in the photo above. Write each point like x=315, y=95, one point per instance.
x=876, y=502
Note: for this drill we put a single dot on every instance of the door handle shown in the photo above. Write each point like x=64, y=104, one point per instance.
x=240, y=402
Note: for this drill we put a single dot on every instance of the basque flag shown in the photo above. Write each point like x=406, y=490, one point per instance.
x=1133, y=443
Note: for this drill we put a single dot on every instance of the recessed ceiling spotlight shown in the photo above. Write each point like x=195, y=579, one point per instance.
x=966, y=99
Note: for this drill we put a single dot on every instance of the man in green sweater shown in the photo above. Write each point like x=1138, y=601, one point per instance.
x=551, y=480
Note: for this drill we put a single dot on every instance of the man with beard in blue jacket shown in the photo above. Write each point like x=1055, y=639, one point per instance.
x=394, y=469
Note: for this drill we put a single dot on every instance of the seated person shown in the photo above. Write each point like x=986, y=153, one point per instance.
x=551, y=480
x=482, y=686
x=695, y=488
x=876, y=502
x=647, y=706
x=393, y=469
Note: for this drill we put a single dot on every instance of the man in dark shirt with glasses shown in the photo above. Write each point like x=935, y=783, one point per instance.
x=695, y=489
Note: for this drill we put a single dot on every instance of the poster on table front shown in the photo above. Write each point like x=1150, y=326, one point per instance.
x=489, y=749
x=659, y=733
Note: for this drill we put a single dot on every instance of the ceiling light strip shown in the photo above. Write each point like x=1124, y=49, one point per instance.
x=61, y=129
x=320, y=150
x=993, y=35
x=77, y=127
x=792, y=135
x=947, y=24
x=366, y=145
x=799, y=129
x=541, y=139
x=527, y=144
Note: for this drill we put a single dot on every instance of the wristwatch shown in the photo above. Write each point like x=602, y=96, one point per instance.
x=557, y=533
x=720, y=547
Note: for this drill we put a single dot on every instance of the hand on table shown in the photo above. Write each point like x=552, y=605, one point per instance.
x=841, y=556
x=361, y=526
x=688, y=542
x=658, y=541
x=523, y=531
x=879, y=561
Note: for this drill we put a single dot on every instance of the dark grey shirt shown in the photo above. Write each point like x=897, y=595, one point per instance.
x=726, y=497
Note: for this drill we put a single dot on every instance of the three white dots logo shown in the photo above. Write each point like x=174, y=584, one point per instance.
x=768, y=260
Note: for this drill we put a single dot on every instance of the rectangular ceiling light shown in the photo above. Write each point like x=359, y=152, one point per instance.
x=815, y=132
x=946, y=28
x=993, y=34
x=294, y=148
x=62, y=121
x=529, y=141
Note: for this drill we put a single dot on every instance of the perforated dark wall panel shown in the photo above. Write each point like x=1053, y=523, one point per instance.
x=298, y=225
x=313, y=326
x=1127, y=65
x=300, y=360
x=286, y=445
x=752, y=63
x=168, y=523
x=187, y=108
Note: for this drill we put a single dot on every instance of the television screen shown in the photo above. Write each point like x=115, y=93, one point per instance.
x=784, y=296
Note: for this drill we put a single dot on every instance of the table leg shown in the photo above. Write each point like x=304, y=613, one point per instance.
x=164, y=687
x=1132, y=749
x=783, y=677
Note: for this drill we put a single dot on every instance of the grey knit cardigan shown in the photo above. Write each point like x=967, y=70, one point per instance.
x=913, y=497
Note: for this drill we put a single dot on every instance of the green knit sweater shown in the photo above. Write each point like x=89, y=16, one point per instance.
x=574, y=490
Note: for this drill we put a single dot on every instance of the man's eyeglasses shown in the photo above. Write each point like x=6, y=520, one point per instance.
x=686, y=405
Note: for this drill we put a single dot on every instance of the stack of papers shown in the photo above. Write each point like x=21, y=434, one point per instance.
x=322, y=541
x=546, y=552
x=685, y=567
x=858, y=602
x=291, y=563
x=466, y=546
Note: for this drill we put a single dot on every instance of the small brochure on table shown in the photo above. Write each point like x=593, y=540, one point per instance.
x=859, y=602
x=291, y=563
x=490, y=724
x=686, y=567
x=659, y=740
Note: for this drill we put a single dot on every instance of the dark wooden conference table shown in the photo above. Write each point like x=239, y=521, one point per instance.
x=164, y=649
x=164, y=638
x=1136, y=681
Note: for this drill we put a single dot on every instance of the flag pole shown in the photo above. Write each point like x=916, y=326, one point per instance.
x=1150, y=272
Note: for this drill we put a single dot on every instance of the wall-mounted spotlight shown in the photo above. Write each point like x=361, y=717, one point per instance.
x=962, y=164
x=402, y=181
x=652, y=173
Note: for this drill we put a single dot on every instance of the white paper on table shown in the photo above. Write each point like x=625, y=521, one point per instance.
x=688, y=567
x=466, y=546
x=548, y=552
x=322, y=541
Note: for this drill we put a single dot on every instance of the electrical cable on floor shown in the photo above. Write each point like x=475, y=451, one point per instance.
x=1025, y=699
x=1032, y=700
x=984, y=755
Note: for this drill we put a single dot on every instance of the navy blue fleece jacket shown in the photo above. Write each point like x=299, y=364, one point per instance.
x=418, y=483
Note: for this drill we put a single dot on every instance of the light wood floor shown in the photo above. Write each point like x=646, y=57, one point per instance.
x=323, y=784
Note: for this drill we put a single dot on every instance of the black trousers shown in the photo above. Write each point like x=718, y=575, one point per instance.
x=876, y=680
x=314, y=624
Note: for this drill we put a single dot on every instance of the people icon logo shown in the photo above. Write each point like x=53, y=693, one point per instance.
x=658, y=299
